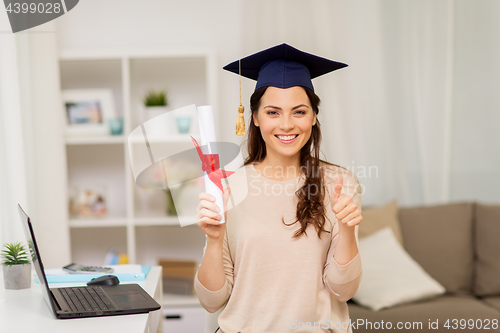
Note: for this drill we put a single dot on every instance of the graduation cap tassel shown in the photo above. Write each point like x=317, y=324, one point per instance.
x=240, y=121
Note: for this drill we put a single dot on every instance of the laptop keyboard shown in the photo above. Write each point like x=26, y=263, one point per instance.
x=87, y=298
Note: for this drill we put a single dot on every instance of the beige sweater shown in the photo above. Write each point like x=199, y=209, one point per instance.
x=276, y=283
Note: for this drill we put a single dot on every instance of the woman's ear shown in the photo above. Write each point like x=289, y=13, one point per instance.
x=255, y=121
x=314, y=120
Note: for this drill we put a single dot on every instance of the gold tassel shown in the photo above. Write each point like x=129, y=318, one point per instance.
x=240, y=121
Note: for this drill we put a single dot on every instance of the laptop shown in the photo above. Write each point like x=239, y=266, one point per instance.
x=86, y=301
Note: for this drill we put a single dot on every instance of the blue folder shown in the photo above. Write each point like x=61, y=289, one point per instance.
x=64, y=278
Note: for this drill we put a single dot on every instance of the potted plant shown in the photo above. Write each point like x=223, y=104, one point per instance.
x=16, y=266
x=155, y=103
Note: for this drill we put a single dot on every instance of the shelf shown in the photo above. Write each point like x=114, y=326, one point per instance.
x=95, y=140
x=98, y=222
x=174, y=300
x=136, y=222
x=162, y=220
x=104, y=140
x=176, y=138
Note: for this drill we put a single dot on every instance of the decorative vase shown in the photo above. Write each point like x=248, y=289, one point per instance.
x=116, y=126
x=183, y=124
x=17, y=276
x=169, y=203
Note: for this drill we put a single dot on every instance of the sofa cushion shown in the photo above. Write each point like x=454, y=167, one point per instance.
x=487, y=279
x=494, y=301
x=376, y=218
x=441, y=308
x=440, y=239
x=390, y=276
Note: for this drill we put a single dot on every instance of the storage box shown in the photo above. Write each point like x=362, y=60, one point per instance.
x=178, y=276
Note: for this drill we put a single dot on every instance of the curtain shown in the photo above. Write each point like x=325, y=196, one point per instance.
x=13, y=175
x=414, y=116
x=32, y=151
x=475, y=149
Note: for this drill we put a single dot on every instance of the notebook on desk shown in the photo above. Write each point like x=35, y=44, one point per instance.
x=58, y=275
x=86, y=301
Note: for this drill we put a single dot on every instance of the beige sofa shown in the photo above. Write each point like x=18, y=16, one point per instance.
x=459, y=246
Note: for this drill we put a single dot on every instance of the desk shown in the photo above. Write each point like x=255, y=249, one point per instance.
x=26, y=311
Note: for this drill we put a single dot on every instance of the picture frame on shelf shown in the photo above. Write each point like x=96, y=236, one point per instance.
x=88, y=111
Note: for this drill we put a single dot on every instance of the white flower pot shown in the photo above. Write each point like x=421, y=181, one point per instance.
x=17, y=276
x=153, y=111
x=164, y=123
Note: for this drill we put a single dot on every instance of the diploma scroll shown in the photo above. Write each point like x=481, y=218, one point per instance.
x=211, y=158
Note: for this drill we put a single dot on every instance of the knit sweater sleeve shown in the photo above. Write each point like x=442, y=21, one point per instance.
x=343, y=280
x=214, y=300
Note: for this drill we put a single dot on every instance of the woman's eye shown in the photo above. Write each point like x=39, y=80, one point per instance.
x=274, y=112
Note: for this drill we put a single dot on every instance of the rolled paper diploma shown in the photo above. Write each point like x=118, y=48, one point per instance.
x=207, y=135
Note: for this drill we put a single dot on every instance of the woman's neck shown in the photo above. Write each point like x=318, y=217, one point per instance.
x=279, y=169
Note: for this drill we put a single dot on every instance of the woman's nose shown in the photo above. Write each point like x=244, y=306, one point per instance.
x=286, y=123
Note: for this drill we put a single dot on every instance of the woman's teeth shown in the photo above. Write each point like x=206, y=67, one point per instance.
x=286, y=138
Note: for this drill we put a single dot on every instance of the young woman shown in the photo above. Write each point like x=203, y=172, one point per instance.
x=286, y=260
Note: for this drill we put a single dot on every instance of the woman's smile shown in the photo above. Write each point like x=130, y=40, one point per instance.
x=287, y=139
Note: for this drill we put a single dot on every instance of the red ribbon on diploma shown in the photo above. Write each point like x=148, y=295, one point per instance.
x=210, y=164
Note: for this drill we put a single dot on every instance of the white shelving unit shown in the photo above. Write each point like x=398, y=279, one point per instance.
x=144, y=234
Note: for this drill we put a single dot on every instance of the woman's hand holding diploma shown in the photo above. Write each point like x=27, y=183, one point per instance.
x=208, y=216
x=211, y=272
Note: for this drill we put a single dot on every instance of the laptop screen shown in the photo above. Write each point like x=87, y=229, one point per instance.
x=35, y=256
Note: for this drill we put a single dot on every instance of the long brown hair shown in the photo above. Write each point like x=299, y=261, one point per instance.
x=310, y=207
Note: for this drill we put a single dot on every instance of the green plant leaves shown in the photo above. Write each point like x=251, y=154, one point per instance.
x=155, y=98
x=14, y=254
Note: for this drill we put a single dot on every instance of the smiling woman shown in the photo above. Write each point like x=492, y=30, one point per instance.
x=272, y=262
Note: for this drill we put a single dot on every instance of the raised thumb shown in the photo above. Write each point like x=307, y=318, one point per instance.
x=337, y=189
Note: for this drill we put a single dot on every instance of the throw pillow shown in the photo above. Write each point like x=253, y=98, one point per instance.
x=390, y=275
x=376, y=218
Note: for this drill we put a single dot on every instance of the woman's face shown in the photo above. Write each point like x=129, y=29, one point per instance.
x=285, y=113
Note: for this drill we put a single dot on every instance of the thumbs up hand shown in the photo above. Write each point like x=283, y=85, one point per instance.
x=346, y=211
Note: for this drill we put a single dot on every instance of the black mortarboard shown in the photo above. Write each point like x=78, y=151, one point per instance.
x=281, y=66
